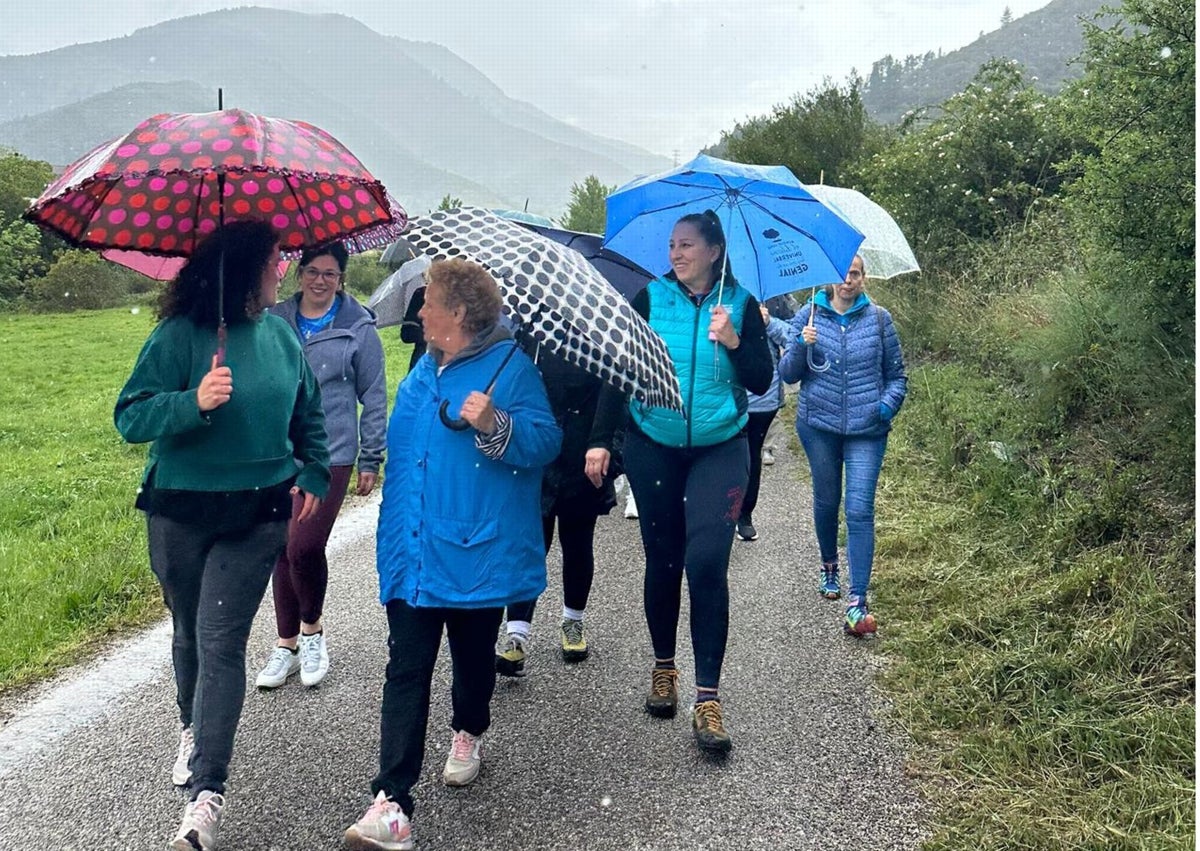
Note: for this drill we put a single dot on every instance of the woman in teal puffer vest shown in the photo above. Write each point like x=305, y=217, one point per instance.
x=689, y=471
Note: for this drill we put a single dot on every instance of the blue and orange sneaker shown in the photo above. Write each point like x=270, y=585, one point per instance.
x=830, y=589
x=859, y=622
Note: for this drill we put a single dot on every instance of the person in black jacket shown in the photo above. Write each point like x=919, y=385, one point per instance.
x=576, y=489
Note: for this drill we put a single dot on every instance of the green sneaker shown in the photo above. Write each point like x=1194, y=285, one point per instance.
x=859, y=622
x=830, y=589
x=510, y=656
x=574, y=645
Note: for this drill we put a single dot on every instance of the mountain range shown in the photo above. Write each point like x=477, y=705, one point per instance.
x=1045, y=42
x=423, y=120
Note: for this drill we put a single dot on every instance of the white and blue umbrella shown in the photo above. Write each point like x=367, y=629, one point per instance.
x=780, y=238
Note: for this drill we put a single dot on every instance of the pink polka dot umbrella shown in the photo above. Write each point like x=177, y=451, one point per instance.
x=176, y=177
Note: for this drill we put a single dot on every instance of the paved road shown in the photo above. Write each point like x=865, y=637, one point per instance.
x=571, y=762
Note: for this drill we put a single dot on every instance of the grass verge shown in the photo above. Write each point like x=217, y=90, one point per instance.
x=73, y=564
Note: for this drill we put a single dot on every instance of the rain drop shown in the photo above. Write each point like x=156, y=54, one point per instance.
x=606, y=801
x=135, y=310
x=1165, y=53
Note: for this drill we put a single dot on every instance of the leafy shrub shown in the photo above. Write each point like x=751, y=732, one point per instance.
x=83, y=280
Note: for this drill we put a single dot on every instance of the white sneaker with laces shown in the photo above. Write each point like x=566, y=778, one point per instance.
x=314, y=658
x=631, y=511
x=768, y=457
x=384, y=825
x=181, y=774
x=201, y=818
x=281, y=664
x=462, y=765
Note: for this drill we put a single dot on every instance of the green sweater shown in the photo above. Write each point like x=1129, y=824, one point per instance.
x=272, y=427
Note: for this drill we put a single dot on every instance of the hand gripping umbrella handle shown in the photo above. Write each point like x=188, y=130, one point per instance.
x=461, y=424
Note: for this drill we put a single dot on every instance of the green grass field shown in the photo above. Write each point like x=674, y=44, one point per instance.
x=73, y=565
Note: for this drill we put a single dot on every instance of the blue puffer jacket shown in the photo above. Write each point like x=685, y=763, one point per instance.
x=713, y=398
x=864, y=383
x=456, y=528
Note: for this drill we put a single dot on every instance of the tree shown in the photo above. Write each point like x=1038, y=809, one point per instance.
x=21, y=257
x=976, y=169
x=449, y=203
x=21, y=180
x=1006, y=18
x=587, y=209
x=820, y=132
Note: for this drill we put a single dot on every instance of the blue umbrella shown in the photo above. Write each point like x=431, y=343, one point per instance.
x=628, y=277
x=780, y=238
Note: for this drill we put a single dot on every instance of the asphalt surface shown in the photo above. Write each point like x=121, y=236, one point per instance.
x=571, y=762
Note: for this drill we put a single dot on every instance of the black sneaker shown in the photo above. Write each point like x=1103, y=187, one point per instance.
x=746, y=530
x=664, y=693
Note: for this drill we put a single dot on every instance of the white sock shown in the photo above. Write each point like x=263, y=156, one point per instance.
x=521, y=628
x=572, y=614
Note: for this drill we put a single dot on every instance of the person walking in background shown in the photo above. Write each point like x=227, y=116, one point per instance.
x=576, y=489
x=689, y=470
x=460, y=533
x=343, y=349
x=234, y=443
x=762, y=410
x=781, y=307
x=852, y=384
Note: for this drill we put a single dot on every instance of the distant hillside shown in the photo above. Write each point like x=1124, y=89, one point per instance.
x=423, y=120
x=1044, y=42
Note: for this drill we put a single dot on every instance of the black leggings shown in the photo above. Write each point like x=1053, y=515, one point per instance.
x=756, y=433
x=688, y=502
x=575, y=533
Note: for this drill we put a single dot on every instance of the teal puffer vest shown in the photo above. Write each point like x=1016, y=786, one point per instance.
x=714, y=401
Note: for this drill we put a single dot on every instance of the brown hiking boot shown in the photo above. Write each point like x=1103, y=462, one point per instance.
x=664, y=694
x=709, y=727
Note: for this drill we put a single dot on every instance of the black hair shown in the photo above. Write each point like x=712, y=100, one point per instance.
x=709, y=226
x=336, y=250
x=245, y=247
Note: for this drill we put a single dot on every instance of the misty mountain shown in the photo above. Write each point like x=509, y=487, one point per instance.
x=1045, y=42
x=423, y=120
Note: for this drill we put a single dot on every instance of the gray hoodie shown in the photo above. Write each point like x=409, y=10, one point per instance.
x=347, y=359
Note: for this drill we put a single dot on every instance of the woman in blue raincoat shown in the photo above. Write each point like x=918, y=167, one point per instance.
x=460, y=531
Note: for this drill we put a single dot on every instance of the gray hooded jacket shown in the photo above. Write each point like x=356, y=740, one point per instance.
x=347, y=358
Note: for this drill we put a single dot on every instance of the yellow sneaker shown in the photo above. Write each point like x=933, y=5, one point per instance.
x=574, y=644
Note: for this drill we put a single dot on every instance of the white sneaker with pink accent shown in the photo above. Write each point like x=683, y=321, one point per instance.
x=462, y=765
x=383, y=826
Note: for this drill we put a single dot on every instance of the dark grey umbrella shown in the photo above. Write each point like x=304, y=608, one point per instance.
x=559, y=298
x=396, y=254
x=628, y=277
x=391, y=298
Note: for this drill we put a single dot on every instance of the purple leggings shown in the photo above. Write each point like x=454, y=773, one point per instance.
x=301, y=574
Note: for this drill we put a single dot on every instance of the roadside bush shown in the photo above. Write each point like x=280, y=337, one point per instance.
x=83, y=280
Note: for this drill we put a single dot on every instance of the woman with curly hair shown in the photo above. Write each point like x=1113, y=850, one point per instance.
x=234, y=434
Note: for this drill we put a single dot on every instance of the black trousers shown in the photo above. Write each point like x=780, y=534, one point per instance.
x=414, y=638
x=688, y=501
x=756, y=433
x=575, y=534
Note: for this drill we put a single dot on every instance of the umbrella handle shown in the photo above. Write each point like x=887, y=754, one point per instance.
x=460, y=424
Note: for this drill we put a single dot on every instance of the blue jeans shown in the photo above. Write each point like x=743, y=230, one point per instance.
x=861, y=457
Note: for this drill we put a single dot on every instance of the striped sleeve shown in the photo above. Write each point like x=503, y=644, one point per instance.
x=494, y=445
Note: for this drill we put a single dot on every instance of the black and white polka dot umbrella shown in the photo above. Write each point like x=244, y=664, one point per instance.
x=559, y=298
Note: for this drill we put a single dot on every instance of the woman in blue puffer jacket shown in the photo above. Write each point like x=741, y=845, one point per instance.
x=852, y=383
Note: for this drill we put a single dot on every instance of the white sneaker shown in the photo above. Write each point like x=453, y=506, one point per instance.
x=280, y=665
x=768, y=457
x=181, y=774
x=201, y=818
x=384, y=825
x=462, y=765
x=314, y=658
x=631, y=511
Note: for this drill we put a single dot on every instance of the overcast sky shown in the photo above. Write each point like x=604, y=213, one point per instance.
x=668, y=75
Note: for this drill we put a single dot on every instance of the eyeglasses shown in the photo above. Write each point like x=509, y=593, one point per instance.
x=311, y=273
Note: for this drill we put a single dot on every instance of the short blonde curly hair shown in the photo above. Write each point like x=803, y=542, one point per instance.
x=467, y=285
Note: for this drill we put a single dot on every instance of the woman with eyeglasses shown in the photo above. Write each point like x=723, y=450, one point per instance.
x=342, y=346
x=848, y=361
